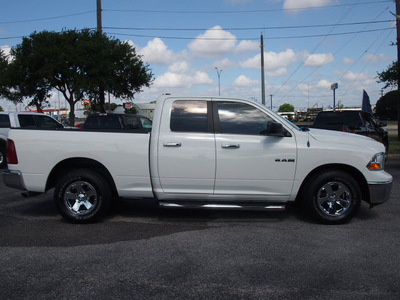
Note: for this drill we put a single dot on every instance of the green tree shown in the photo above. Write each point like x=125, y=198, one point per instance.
x=391, y=75
x=131, y=110
x=386, y=107
x=1, y=109
x=286, y=107
x=79, y=64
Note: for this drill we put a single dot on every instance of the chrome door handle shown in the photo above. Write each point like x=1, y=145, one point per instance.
x=172, y=144
x=231, y=146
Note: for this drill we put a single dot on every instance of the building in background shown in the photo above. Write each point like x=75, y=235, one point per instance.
x=145, y=109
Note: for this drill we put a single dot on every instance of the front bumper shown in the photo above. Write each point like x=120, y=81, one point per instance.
x=379, y=192
x=13, y=179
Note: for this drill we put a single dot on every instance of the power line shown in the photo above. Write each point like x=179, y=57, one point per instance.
x=246, y=39
x=237, y=11
x=48, y=18
x=246, y=28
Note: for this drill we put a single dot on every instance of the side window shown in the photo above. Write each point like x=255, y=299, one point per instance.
x=146, y=123
x=131, y=122
x=46, y=122
x=26, y=121
x=4, y=121
x=241, y=118
x=189, y=116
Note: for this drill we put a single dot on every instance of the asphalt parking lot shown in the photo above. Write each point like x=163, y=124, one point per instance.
x=142, y=252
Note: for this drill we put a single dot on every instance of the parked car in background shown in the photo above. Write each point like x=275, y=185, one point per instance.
x=22, y=120
x=354, y=121
x=117, y=122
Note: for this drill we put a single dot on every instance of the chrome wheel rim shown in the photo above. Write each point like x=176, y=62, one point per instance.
x=334, y=198
x=80, y=198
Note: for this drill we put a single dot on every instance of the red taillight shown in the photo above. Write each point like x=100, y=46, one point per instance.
x=11, y=153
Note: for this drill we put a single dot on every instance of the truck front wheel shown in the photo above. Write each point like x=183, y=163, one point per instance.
x=332, y=197
x=82, y=196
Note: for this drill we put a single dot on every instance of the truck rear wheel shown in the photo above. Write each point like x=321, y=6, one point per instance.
x=332, y=197
x=82, y=196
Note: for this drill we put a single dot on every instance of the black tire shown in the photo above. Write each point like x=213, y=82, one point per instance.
x=332, y=197
x=3, y=156
x=82, y=196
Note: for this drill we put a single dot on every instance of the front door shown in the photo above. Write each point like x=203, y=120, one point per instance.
x=249, y=163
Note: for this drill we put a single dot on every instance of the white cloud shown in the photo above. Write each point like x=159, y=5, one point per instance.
x=348, y=61
x=6, y=50
x=277, y=72
x=182, y=80
x=317, y=60
x=351, y=76
x=324, y=84
x=376, y=58
x=247, y=46
x=272, y=60
x=296, y=5
x=215, y=42
x=244, y=81
x=156, y=52
x=179, y=67
x=224, y=64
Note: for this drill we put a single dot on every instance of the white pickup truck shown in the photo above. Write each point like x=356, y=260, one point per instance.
x=22, y=120
x=202, y=152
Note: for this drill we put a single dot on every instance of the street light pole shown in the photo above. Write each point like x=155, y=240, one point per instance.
x=219, y=80
x=334, y=86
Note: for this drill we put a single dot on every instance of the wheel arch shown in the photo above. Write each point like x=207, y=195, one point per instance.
x=79, y=163
x=355, y=173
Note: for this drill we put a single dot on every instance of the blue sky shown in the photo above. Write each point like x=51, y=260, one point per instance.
x=308, y=44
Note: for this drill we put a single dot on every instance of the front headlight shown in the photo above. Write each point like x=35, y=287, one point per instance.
x=377, y=162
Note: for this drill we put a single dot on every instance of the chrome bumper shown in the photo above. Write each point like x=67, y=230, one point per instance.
x=379, y=192
x=13, y=179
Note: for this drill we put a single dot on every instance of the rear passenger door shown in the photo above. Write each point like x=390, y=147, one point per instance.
x=186, y=148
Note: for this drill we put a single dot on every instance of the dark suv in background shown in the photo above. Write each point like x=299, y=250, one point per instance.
x=354, y=121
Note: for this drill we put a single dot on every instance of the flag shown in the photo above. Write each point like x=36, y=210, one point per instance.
x=366, y=105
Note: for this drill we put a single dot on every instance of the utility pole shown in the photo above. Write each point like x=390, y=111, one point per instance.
x=100, y=30
x=262, y=72
x=99, y=22
x=398, y=60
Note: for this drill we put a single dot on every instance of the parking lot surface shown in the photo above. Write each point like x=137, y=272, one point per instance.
x=143, y=252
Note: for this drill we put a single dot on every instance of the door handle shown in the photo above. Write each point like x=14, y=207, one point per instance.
x=172, y=144
x=230, y=146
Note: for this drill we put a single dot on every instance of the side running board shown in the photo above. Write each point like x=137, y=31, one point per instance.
x=272, y=207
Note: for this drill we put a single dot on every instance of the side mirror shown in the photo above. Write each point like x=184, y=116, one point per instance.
x=275, y=129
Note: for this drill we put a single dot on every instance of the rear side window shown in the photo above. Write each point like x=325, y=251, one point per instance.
x=132, y=122
x=146, y=123
x=338, y=118
x=102, y=122
x=4, y=121
x=46, y=122
x=26, y=121
x=189, y=116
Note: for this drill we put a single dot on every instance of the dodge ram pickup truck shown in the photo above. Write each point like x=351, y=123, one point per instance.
x=202, y=152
